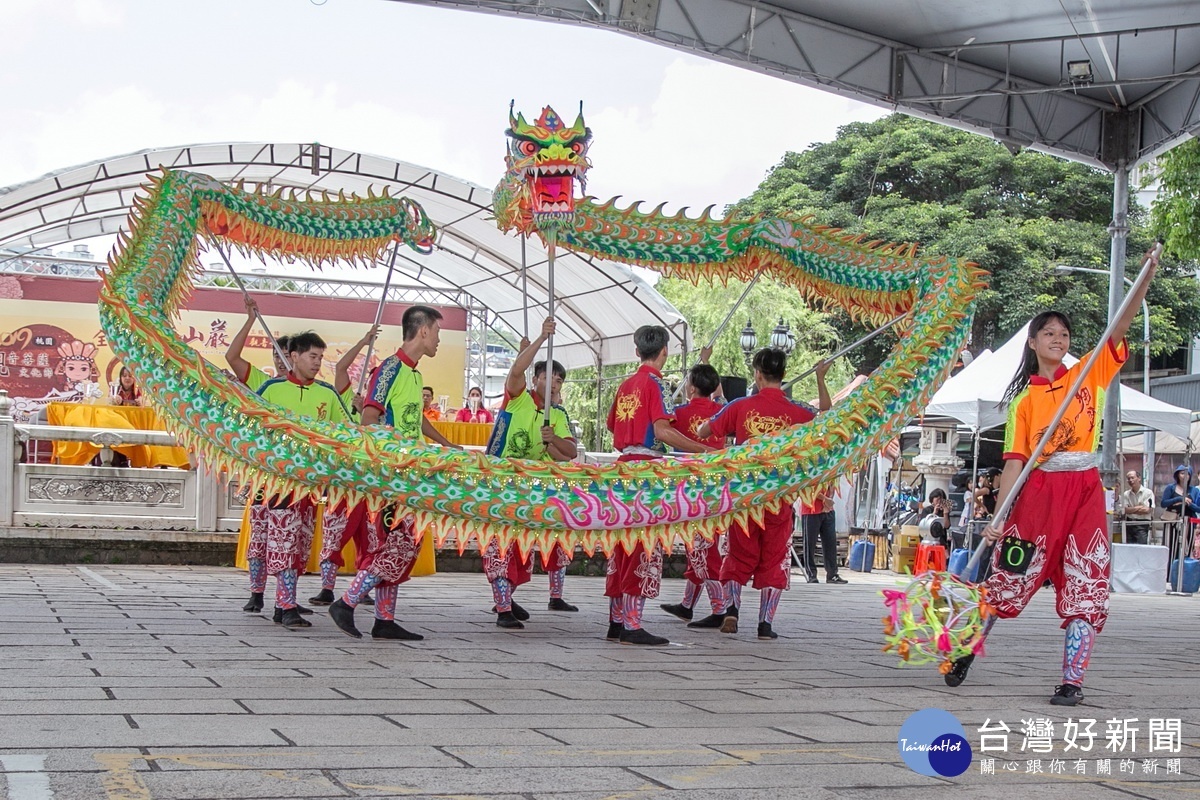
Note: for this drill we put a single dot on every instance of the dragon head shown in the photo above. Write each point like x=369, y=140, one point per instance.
x=544, y=160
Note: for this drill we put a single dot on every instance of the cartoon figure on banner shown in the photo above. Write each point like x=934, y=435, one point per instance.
x=33, y=370
x=78, y=367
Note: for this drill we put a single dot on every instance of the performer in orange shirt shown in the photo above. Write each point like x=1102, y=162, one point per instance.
x=1058, y=528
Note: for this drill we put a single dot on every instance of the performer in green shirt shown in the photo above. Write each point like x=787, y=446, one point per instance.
x=393, y=398
x=521, y=431
x=290, y=521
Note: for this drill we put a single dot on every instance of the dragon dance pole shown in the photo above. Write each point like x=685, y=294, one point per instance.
x=1068, y=398
x=856, y=343
x=283, y=359
x=551, y=242
x=387, y=282
x=525, y=287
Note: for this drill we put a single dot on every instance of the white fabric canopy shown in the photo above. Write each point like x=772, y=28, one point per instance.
x=599, y=304
x=974, y=395
x=1163, y=443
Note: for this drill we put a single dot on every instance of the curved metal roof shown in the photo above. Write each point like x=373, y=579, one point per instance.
x=1001, y=69
x=598, y=303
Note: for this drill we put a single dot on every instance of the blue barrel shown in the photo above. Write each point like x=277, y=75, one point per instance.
x=958, y=561
x=862, y=556
x=1191, y=575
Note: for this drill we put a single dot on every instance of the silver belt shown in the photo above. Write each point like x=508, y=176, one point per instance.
x=1069, y=462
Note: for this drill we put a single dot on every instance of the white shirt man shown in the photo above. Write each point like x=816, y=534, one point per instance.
x=1137, y=503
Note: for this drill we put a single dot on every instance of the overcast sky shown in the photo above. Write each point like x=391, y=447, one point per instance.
x=88, y=79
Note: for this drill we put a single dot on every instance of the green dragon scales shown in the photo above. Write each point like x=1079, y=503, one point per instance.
x=533, y=503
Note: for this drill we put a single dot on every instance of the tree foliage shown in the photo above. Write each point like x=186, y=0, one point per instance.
x=1177, y=208
x=961, y=195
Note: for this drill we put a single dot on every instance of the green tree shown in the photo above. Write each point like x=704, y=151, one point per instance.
x=959, y=194
x=1177, y=208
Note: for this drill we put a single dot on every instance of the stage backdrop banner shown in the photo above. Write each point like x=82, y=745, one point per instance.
x=52, y=348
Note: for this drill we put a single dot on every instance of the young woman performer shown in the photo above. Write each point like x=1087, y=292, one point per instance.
x=1058, y=528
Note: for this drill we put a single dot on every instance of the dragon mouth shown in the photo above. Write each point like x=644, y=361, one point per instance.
x=553, y=189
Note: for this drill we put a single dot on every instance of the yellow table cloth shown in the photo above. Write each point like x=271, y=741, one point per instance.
x=134, y=418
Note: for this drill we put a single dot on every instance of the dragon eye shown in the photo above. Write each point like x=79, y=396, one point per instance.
x=577, y=148
x=528, y=148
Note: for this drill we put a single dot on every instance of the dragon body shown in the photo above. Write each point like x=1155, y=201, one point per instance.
x=533, y=503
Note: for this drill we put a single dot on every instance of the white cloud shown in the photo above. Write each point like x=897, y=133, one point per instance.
x=711, y=135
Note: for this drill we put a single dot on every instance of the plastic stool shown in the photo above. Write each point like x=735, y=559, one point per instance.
x=929, y=557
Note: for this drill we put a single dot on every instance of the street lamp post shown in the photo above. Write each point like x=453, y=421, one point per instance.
x=1149, y=436
x=749, y=343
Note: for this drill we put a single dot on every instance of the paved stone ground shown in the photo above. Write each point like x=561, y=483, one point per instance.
x=126, y=683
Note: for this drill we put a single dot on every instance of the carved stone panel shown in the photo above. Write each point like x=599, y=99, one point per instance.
x=104, y=491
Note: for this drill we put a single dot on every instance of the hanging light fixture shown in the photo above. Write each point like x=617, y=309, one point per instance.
x=749, y=340
x=782, y=337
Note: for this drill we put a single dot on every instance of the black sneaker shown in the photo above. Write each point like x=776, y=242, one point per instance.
x=677, y=610
x=342, y=615
x=642, y=636
x=387, y=629
x=1067, y=695
x=302, y=610
x=812, y=580
x=292, y=619
x=732, y=611
x=255, y=603
x=322, y=598
x=729, y=624
x=558, y=604
x=711, y=621
x=519, y=612
x=958, y=672
x=507, y=619
x=277, y=617
x=366, y=600
x=836, y=579
x=615, y=629
x=765, y=632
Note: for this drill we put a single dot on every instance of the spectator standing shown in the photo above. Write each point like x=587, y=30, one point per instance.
x=1137, y=504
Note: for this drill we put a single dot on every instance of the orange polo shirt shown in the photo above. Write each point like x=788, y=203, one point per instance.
x=1079, y=431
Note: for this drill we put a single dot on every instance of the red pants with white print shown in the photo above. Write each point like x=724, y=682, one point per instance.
x=338, y=527
x=705, y=557
x=1063, y=514
x=289, y=526
x=506, y=563
x=560, y=558
x=761, y=551
x=391, y=547
x=638, y=572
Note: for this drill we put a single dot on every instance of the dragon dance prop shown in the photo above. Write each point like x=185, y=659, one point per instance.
x=935, y=618
x=532, y=503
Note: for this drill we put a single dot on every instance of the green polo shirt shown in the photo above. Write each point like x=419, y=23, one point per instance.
x=517, y=432
x=316, y=400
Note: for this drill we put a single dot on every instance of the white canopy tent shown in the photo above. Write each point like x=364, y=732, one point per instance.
x=974, y=396
x=599, y=304
x=1164, y=443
